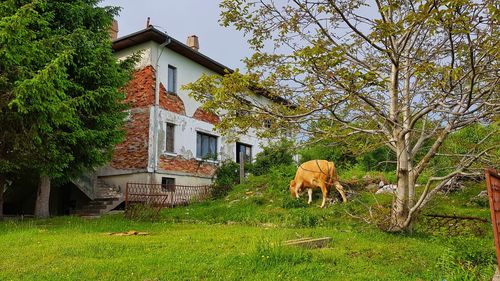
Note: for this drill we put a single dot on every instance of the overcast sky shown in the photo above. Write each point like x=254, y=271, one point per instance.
x=181, y=18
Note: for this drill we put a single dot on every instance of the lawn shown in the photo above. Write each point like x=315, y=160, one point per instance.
x=240, y=237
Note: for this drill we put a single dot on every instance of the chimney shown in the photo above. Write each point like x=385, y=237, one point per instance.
x=113, y=31
x=192, y=42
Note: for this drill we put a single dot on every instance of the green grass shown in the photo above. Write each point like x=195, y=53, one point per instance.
x=240, y=237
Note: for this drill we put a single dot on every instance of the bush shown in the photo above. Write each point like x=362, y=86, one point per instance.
x=276, y=154
x=281, y=177
x=226, y=176
x=335, y=153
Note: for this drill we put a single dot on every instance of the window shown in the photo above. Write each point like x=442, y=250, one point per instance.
x=247, y=152
x=206, y=146
x=172, y=79
x=169, y=137
x=268, y=123
x=168, y=184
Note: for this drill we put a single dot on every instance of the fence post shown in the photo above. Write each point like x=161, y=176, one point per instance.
x=242, y=167
x=493, y=187
x=171, y=198
x=126, y=196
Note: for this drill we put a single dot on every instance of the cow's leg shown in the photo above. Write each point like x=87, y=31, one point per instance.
x=310, y=193
x=325, y=194
x=340, y=188
x=298, y=187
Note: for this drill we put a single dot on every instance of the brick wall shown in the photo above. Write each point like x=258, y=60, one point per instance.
x=192, y=166
x=133, y=152
x=140, y=93
x=171, y=101
x=140, y=90
x=206, y=116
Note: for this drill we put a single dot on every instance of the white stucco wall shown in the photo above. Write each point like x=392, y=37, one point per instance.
x=146, y=55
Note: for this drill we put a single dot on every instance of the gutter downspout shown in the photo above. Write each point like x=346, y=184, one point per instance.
x=156, y=109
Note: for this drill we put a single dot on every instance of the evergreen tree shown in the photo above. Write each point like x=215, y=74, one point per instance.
x=61, y=109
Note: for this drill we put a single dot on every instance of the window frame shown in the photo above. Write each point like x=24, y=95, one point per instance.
x=172, y=85
x=199, y=146
x=172, y=125
x=165, y=186
x=247, y=146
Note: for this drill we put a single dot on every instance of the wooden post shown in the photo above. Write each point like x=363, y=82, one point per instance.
x=242, y=167
x=493, y=187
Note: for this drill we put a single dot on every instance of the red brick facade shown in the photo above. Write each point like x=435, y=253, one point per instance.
x=171, y=101
x=133, y=152
x=140, y=90
x=206, y=116
x=192, y=166
x=140, y=94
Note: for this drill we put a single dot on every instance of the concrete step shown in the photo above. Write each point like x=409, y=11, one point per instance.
x=98, y=207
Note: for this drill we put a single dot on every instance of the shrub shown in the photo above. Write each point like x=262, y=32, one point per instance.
x=339, y=154
x=226, y=176
x=281, y=177
x=379, y=159
x=276, y=154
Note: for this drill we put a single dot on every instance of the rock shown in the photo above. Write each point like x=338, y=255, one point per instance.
x=372, y=187
x=390, y=188
x=452, y=185
x=483, y=193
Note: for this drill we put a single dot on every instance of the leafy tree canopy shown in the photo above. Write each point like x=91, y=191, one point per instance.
x=403, y=73
x=60, y=107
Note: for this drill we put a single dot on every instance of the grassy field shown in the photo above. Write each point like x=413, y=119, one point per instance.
x=240, y=237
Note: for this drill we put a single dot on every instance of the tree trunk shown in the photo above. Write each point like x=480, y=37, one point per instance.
x=42, y=199
x=2, y=187
x=400, y=205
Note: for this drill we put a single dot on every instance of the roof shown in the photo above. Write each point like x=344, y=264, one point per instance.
x=152, y=34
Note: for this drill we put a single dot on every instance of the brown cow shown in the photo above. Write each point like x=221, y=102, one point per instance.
x=316, y=174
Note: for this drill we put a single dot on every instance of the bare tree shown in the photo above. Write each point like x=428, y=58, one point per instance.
x=407, y=73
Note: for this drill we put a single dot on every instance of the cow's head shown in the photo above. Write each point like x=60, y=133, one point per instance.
x=293, y=189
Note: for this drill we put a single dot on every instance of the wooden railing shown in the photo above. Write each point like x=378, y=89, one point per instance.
x=160, y=195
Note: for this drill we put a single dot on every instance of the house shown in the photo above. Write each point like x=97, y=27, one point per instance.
x=170, y=139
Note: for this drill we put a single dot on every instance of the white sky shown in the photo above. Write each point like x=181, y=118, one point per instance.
x=181, y=18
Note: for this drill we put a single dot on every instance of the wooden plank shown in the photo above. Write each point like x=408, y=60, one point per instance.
x=309, y=242
x=492, y=181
